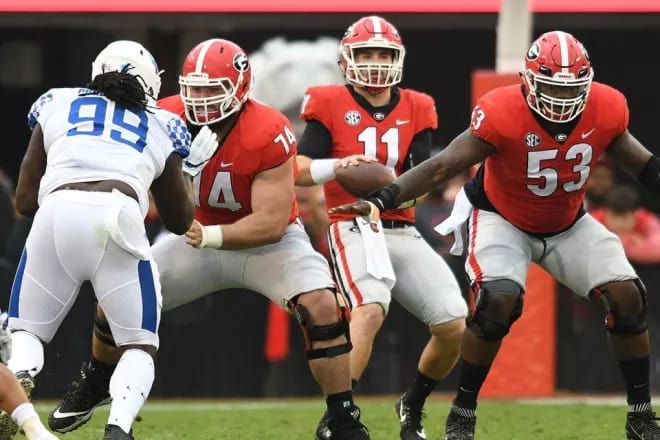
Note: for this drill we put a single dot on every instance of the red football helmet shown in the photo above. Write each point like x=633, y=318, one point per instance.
x=215, y=81
x=372, y=33
x=558, y=76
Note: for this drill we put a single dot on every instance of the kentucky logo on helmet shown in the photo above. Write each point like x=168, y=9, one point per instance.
x=532, y=140
x=241, y=62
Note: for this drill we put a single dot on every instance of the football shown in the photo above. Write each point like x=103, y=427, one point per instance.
x=365, y=178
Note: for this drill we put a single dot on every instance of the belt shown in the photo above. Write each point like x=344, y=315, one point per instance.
x=393, y=224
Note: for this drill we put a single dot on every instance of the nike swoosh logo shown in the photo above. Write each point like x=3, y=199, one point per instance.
x=586, y=135
x=226, y=164
x=61, y=415
x=400, y=122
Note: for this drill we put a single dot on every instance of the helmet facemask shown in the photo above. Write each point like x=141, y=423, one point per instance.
x=558, y=99
x=216, y=103
x=374, y=76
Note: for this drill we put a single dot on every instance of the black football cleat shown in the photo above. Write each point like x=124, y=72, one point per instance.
x=410, y=418
x=80, y=401
x=347, y=426
x=322, y=430
x=642, y=426
x=459, y=427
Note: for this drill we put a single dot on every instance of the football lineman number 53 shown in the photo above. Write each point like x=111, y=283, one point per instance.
x=222, y=193
x=581, y=152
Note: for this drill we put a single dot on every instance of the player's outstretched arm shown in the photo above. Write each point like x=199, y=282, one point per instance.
x=318, y=171
x=32, y=170
x=461, y=153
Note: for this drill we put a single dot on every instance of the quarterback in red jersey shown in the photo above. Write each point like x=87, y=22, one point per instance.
x=371, y=117
x=246, y=234
x=538, y=143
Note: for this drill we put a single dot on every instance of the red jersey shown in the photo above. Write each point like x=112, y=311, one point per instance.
x=261, y=139
x=535, y=181
x=356, y=130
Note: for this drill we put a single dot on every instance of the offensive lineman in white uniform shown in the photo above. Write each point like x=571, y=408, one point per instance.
x=94, y=154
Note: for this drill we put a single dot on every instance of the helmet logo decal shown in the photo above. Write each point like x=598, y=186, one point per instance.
x=241, y=62
x=534, y=51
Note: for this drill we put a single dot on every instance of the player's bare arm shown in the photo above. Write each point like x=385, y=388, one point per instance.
x=168, y=190
x=315, y=172
x=32, y=170
x=272, y=196
x=629, y=153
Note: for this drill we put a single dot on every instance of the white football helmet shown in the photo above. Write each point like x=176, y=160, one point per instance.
x=132, y=58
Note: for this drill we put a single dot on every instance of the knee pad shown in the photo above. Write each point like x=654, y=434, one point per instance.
x=102, y=331
x=622, y=323
x=486, y=320
x=27, y=353
x=324, y=332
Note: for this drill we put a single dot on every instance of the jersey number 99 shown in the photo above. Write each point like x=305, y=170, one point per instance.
x=88, y=114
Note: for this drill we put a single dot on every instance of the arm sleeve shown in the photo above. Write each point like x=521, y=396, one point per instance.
x=316, y=140
x=420, y=149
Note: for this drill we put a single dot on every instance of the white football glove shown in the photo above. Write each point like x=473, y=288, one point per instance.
x=202, y=149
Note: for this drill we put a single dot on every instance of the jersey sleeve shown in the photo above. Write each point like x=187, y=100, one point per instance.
x=483, y=122
x=315, y=107
x=280, y=146
x=38, y=107
x=427, y=116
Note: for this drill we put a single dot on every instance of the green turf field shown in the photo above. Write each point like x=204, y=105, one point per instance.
x=296, y=419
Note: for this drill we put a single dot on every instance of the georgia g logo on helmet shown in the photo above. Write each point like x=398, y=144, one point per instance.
x=241, y=62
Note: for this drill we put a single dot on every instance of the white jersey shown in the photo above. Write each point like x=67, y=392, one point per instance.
x=88, y=137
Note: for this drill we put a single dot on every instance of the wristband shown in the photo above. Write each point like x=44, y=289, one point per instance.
x=322, y=170
x=211, y=237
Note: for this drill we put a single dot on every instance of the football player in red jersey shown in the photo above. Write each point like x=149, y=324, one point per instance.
x=539, y=143
x=371, y=117
x=246, y=234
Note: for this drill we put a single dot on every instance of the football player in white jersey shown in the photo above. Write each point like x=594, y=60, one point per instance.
x=94, y=154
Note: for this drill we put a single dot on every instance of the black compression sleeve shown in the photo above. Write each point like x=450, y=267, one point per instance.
x=650, y=175
x=316, y=141
x=420, y=149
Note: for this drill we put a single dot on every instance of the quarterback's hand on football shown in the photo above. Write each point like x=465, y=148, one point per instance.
x=364, y=208
x=203, y=147
x=353, y=160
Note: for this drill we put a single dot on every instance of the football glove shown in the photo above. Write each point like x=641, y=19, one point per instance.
x=202, y=149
